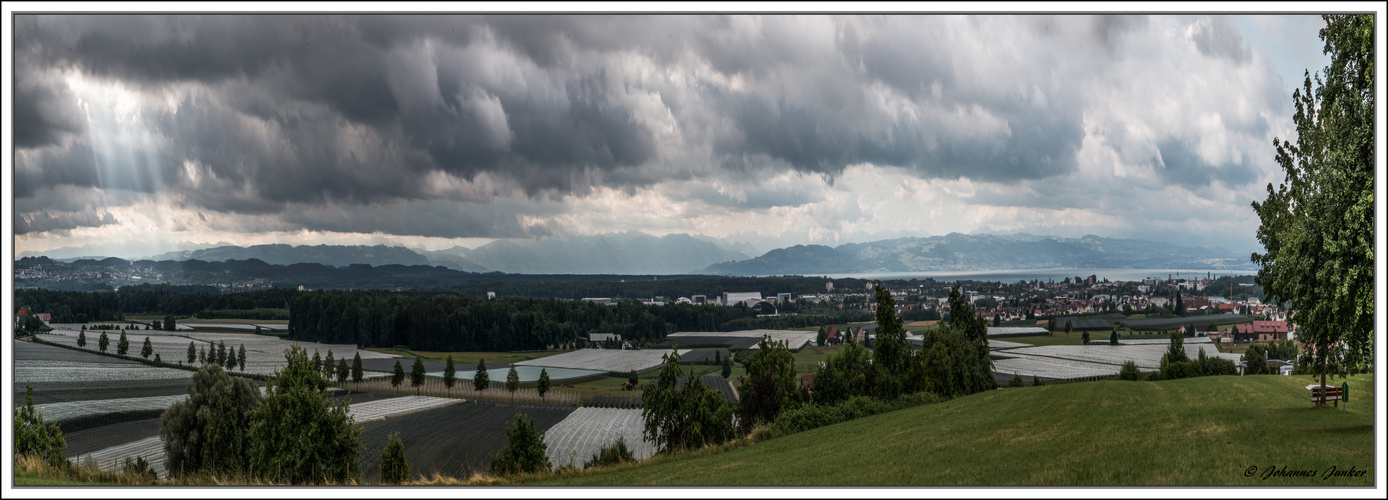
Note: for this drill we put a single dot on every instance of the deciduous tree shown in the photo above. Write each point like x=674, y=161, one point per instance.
x=1318, y=226
x=298, y=434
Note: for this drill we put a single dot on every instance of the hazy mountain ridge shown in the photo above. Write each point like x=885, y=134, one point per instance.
x=614, y=253
x=957, y=251
x=282, y=254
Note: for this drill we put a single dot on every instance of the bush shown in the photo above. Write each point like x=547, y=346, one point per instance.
x=1016, y=381
x=524, y=452
x=140, y=469
x=298, y=434
x=1180, y=369
x=813, y=416
x=207, y=431
x=35, y=438
x=1129, y=371
x=1254, y=362
x=394, y=468
x=611, y=454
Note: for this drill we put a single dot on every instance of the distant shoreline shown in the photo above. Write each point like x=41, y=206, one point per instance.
x=1058, y=274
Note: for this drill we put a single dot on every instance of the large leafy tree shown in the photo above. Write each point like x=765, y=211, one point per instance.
x=890, y=351
x=298, y=434
x=207, y=430
x=769, y=386
x=1318, y=227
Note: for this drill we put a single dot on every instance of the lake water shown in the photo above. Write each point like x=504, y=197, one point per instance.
x=1015, y=275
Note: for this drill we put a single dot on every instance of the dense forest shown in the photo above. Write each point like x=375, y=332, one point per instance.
x=449, y=322
x=178, y=300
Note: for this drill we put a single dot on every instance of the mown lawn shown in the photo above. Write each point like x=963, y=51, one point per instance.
x=1202, y=431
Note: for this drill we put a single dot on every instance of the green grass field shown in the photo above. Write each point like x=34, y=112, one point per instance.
x=1202, y=431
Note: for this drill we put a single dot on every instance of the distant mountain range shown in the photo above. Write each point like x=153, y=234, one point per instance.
x=961, y=252
x=616, y=253
x=636, y=253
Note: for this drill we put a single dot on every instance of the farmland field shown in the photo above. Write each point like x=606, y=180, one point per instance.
x=602, y=360
x=381, y=409
x=456, y=440
x=264, y=354
x=526, y=373
x=584, y=432
x=797, y=339
x=70, y=371
x=1213, y=319
x=1078, y=324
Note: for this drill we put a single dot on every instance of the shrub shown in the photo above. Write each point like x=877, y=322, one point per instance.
x=206, y=431
x=1254, y=362
x=813, y=416
x=1129, y=371
x=611, y=454
x=1016, y=381
x=298, y=434
x=1180, y=369
x=1035, y=380
x=394, y=468
x=35, y=438
x=139, y=468
x=524, y=451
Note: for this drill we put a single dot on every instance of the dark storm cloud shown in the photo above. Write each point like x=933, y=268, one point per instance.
x=433, y=218
x=330, y=121
x=43, y=221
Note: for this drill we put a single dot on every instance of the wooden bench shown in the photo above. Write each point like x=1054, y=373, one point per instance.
x=1332, y=393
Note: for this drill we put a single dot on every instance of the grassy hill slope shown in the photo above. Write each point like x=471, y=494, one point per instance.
x=1204, y=431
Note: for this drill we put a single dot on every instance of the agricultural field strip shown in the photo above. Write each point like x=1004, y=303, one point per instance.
x=57, y=412
x=1191, y=340
x=1051, y=368
x=1213, y=318
x=264, y=354
x=152, y=448
x=604, y=360
x=236, y=326
x=998, y=345
x=31, y=370
x=1017, y=330
x=381, y=409
x=526, y=373
x=796, y=338
x=1146, y=356
x=584, y=432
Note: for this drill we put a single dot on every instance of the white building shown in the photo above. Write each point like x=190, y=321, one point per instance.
x=730, y=298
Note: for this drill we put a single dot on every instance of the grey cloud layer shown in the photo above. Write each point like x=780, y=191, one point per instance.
x=311, y=117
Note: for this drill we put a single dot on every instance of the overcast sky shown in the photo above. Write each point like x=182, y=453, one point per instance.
x=143, y=133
